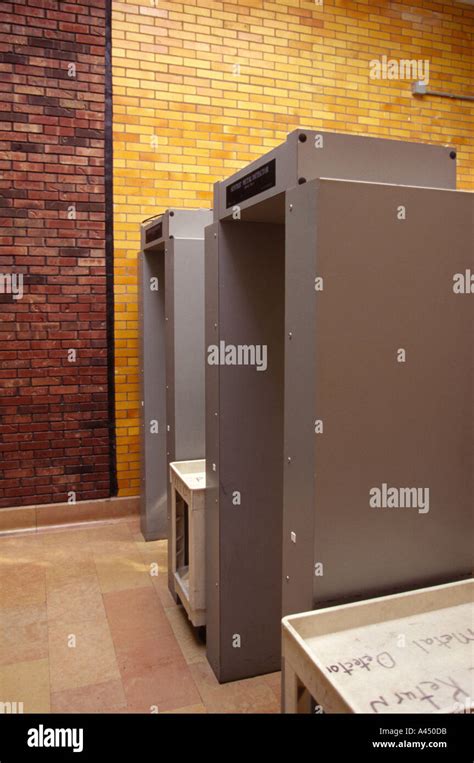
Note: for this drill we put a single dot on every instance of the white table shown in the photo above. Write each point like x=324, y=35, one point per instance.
x=407, y=653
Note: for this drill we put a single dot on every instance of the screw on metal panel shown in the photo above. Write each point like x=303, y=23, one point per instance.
x=302, y=137
x=287, y=578
x=213, y=467
x=171, y=213
x=290, y=335
x=215, y=235
x=215, y=414
x=301, y=181
x=452, y=154
x=171, y=236
x=291, y=207
x=215, y=325
x=289, y=459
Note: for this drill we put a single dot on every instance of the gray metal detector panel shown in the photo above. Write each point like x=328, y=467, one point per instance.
x=310, y=154
x=173, y=357
x=153, y=395
x=187, y=334
x=213, y=547
x=259, y=191
x=387, y=285
x=244, y=445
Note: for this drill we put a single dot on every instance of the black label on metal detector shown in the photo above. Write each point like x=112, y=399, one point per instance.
x=156, y=231
x=255, y=182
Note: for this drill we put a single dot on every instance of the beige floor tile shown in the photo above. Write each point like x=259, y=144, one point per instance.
x=65, y=537
x=76, y=600
x=22, y=585
x=135, y=646
x=274, y=681
x=155, y=568
x=93, y=535
x=135, y=614
x=134, y=525
x=155, y=553
x=160, y=584
x=103, y=538
x=141, y=656
x=193, y=648
x=91, y=661
x=118, y=571
x=26, y=682
x=23, y=634
x=273, y=708
x=22, y=548
x=67, y=565
x=248, y=696
x=154, y=556
x=107, y=697
x=166, y=687
x=156, y=548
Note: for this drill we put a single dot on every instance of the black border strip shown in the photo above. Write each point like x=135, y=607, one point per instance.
x=109, y=251
x=257, y=181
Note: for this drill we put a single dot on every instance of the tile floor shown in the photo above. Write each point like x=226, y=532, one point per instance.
x=84, y=627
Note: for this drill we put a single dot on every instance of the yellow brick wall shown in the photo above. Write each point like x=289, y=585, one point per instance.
x=185, y=117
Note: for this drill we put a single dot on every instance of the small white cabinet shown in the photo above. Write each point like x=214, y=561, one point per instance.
x=188, y=485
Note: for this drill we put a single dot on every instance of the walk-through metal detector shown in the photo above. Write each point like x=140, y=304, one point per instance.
x=339, y=458
x=171, y=280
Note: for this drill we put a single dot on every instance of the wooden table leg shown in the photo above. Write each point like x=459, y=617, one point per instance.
x=295, y=697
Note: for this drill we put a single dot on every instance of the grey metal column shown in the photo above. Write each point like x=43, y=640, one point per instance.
x=244, y=443
x=173, y=357
x=153, y=394
x=391, y=344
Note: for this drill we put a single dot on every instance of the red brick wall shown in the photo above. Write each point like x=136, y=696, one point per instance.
x=54, y=430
